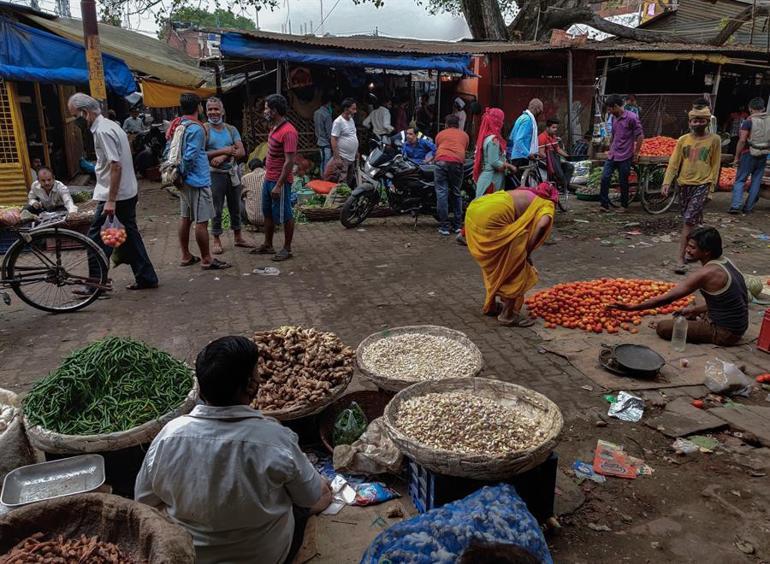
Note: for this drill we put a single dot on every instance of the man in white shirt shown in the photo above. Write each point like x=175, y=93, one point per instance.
x=47, y=195
x=459, y=111
x=236, y=480
x=133, y=125
x=379, y=120
x=116, y=188
x=345, y=143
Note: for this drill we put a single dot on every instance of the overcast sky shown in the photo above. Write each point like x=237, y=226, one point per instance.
x=398, y=18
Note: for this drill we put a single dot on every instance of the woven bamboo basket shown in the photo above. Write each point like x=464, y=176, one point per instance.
x=477, y=466
x=394, y=384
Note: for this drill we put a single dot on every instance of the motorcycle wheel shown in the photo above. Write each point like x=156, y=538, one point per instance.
x=357, y=208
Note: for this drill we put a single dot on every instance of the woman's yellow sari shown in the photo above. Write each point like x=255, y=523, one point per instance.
x=497, y=239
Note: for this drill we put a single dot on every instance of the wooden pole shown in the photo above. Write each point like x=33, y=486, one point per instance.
x=93, y=52
x=41, y=120
x=569, y=97
x=438, y=102
x=278, y=77
x=218, y=79
x=715, y=91
x=753, y=15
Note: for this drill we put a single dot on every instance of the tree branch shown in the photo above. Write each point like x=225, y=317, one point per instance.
x=736, y=22
x=625, y=32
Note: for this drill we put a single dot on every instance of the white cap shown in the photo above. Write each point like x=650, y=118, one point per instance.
x=459, y=102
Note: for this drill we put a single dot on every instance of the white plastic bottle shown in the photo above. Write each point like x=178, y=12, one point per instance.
x=679, y=334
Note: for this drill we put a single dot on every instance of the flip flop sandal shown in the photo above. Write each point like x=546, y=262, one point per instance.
x=217, y=265
x=192, y=261
x=217, y=251
x=244, y=245
x=136, y=286
x=518, y=322
x=282, y=255
x=263, y=250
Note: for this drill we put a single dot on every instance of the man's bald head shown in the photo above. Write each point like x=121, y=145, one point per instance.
x=535, y=106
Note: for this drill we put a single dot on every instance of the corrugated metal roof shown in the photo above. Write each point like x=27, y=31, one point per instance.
x=404, y=45
x=699, y=21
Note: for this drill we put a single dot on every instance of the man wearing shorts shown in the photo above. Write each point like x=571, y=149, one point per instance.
x=195, y=193
x=695, y=168
x=276, y=190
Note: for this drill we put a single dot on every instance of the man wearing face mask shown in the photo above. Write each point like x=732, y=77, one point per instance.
x=223, y=148
x=116, y=188
x=695, y=168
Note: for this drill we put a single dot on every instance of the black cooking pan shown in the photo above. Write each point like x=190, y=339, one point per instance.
x=637, y=359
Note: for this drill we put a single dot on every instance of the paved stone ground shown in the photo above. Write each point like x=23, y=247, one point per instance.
x=390, y=273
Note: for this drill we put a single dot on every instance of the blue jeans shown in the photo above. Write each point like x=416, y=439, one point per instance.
x=448, y=178
x=133, y=249
x=624, y=169
x=279, y=210
x=326, y=156
x=748, y=165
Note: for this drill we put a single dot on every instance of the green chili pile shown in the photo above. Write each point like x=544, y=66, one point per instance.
x=111, y=385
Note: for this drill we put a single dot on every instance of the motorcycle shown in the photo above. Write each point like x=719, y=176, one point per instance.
x=405, y=186
x=147, y=148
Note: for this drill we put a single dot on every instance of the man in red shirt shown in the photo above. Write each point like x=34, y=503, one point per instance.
x=451, y=145
x=550, y=149
x=276, y=189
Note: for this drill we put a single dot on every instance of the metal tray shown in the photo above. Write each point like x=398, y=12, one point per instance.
x=48, y=480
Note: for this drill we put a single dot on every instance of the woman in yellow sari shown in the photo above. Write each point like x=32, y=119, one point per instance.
x=503, y=229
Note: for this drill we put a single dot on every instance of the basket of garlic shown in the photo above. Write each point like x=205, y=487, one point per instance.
x=473, y=427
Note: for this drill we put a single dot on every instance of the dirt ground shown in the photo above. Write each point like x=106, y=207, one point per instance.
x=694, y=508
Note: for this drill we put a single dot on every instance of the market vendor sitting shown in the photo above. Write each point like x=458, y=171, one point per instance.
x=724, y=317
x=236, y=480
x=47, y=195
x=418, y=148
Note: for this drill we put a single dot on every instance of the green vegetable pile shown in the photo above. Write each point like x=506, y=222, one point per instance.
x=111, y=385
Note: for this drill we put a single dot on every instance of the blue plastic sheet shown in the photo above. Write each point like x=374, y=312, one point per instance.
x=238, y=45
x=30, y=54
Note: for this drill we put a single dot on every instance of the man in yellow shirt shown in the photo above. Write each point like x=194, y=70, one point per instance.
x=695, y=168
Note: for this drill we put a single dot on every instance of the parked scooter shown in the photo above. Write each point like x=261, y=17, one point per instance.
x=406, y=187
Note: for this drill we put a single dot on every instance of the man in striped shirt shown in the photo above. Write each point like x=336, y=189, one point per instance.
x=276, y=190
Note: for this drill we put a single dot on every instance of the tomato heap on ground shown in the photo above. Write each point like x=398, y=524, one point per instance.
x=658, y=147
x=727, y=178
x=583, y=305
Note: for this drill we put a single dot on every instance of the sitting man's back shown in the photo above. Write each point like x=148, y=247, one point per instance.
x=227, y=474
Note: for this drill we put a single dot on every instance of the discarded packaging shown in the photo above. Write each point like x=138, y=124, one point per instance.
x=586, y=472
x=266, y=271
x=683, y=446
x=704, y=443
x=627, y=407
x=611, y=460
x=724, y=377
x=342, y=494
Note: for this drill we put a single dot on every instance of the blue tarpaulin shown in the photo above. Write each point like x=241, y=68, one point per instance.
x=242, y=46
x=29, y=54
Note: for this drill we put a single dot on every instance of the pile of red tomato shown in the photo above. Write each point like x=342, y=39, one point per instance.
x=583, y=305
x=727, y=178
x=113, y=236
x=658, y=147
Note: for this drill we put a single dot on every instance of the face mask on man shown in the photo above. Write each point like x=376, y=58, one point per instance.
x=81, y=121
x=699, y=129
x=215, y=120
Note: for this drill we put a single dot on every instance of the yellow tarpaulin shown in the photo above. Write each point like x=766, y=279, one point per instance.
x=657, y=56
x=160, y=95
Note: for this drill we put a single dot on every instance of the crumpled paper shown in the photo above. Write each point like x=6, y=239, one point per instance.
x=342, y=494
x=627, y=407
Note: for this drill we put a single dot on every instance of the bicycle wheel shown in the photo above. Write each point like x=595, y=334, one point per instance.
x=44, y=271
x=653, y=200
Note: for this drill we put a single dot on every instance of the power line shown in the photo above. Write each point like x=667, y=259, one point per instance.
x=329, y=13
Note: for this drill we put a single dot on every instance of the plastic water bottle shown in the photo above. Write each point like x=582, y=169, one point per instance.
x=679, y=334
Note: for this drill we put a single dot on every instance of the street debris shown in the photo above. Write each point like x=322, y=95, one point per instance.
x=266, y=271
x=611, y=460
x=627, y=407
x=724, y=377
x=599, y=528
x=584, y=471
x=683, y=446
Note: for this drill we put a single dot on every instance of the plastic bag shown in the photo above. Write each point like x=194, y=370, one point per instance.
x=349, y=425
x=113, y=233
x=372, y=453
x=372, y=493
x=726, y=378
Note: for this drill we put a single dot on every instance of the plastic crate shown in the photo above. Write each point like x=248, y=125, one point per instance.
x=536, y=487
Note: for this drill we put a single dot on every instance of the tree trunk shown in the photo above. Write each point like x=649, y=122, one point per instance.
x=736, y=22
x=485, y=19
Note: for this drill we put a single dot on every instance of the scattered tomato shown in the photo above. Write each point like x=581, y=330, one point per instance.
x=698, y=403
x=763, y=378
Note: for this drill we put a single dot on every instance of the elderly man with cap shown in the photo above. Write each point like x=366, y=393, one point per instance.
x=459, y=111
x=695, y=168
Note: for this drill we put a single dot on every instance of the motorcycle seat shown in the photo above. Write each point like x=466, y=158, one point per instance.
x=426, y=171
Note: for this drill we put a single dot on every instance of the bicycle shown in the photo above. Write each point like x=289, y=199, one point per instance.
x=645, y=185
x=47, y=262
x=533, y=174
